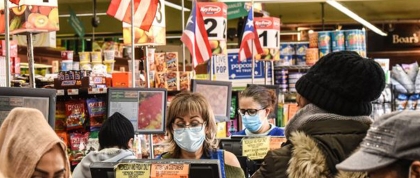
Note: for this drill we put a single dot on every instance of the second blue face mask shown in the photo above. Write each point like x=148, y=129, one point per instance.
x=252, y=123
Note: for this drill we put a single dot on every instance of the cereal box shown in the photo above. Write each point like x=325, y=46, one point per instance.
x=185, y=80
x=172, y=61
x=173, y=80
x=160, y=62
x=160, y=80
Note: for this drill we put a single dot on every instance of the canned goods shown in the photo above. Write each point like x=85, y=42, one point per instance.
x=301, y=48
x=313, y=40
x=311, y=56
x=337, y=40
x=286, y=60
x=353, y=39
x=324, y=40
x=323, y=52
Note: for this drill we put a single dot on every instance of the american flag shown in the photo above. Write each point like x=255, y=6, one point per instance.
x=250, y=41
x=144, y=12
x=195, y=38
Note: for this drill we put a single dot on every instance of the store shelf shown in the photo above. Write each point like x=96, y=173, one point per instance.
x=292, y=67
x=73, y=92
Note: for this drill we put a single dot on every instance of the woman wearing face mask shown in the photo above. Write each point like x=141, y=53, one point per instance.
x=191, y=129
x=255, y=104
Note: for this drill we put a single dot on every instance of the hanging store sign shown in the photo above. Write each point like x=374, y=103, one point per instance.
x=268, y=29
x=236, y=10
x=156, y=36
x=215, y=21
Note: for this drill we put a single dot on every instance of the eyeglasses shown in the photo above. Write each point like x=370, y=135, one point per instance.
x=194, y=126
x=251, y=112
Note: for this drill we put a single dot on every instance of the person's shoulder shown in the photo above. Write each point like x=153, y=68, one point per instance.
x=230, y=159
x=276, y=131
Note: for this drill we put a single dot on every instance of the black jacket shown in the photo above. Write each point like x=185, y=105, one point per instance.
x=317, y=141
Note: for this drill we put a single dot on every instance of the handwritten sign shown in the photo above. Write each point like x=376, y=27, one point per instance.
x=255, y=148
x=275, y=142
x=132, y=170
x=177, y=170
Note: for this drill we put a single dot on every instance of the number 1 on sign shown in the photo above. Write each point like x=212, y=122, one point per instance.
x=269, y=38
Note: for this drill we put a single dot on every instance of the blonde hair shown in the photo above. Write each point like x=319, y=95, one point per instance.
x=185, y=103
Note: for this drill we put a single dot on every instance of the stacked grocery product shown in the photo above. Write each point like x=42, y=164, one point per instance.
x=293, y=78
x=280, y=77
x=406, y=82
x=14, y=61
x=323, y=42
x=292, y=53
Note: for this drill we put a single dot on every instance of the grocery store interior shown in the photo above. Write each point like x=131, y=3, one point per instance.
x=84, y=58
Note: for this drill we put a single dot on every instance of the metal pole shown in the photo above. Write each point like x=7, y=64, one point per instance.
x=272, y=72
x=252, y=47
x=30, y=50
x=7, y=38
x=265, y=72
x=133, y=67
x=152, y=153
x=211, y=67
x=323, y=16
x=147, y=67
x=183, y=27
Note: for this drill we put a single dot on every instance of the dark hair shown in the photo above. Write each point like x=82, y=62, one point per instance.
x=265, y=97
x=402, y=167
x=117, y=130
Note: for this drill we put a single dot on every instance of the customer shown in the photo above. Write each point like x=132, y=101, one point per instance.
x=29, y=147
x=191, y=129
x=115, y=139
x=335, y=103
x=391, y=149
x=255, y=104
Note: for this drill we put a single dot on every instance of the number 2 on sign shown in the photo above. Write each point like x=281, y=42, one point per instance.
x=214, y=29
x=269, y=34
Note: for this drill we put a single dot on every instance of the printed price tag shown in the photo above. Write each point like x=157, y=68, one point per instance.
x=60, y=92
x=129, y=170
x=176, y=170
x=73, y=91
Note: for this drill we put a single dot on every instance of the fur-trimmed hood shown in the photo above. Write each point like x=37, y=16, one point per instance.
x=308, y=161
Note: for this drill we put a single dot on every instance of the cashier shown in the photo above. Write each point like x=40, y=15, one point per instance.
x=191, y=129
x=255, y=104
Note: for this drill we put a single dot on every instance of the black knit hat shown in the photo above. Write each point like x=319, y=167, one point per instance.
x=343, y=83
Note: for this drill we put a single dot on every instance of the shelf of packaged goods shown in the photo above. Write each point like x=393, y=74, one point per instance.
x=97, y=91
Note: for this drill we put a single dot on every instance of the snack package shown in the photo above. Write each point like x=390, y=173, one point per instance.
x=172, y=61
x=401, y=102
x=399, y=74
x=173, y=80
x=93, y=141
x=63, y=136
x=412, y=70
x=60, y=116
x=398, y=86
x=78, y=142
x=75, y=114
x=97, y=111
x=160, y=62
x=184, y=80
x=160, y=80
x=412, y=102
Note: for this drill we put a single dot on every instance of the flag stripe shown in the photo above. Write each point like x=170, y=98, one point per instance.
x=250, y=40
x=122, y=9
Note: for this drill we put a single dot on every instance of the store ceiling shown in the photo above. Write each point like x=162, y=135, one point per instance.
x=375, y=11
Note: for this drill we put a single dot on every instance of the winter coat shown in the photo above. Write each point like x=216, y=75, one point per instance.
x=317, y=141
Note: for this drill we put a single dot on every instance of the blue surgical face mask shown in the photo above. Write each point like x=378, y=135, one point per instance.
x=190, y=139
x=252, y=123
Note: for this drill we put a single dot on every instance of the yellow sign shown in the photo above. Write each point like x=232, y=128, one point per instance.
x=176, y=170
x=255, y=148
x=132, y=170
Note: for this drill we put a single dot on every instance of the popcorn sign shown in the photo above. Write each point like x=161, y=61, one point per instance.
x=268, y=29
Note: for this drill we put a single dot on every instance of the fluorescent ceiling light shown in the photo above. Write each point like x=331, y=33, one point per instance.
x=354, y=16
x=176, y=6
